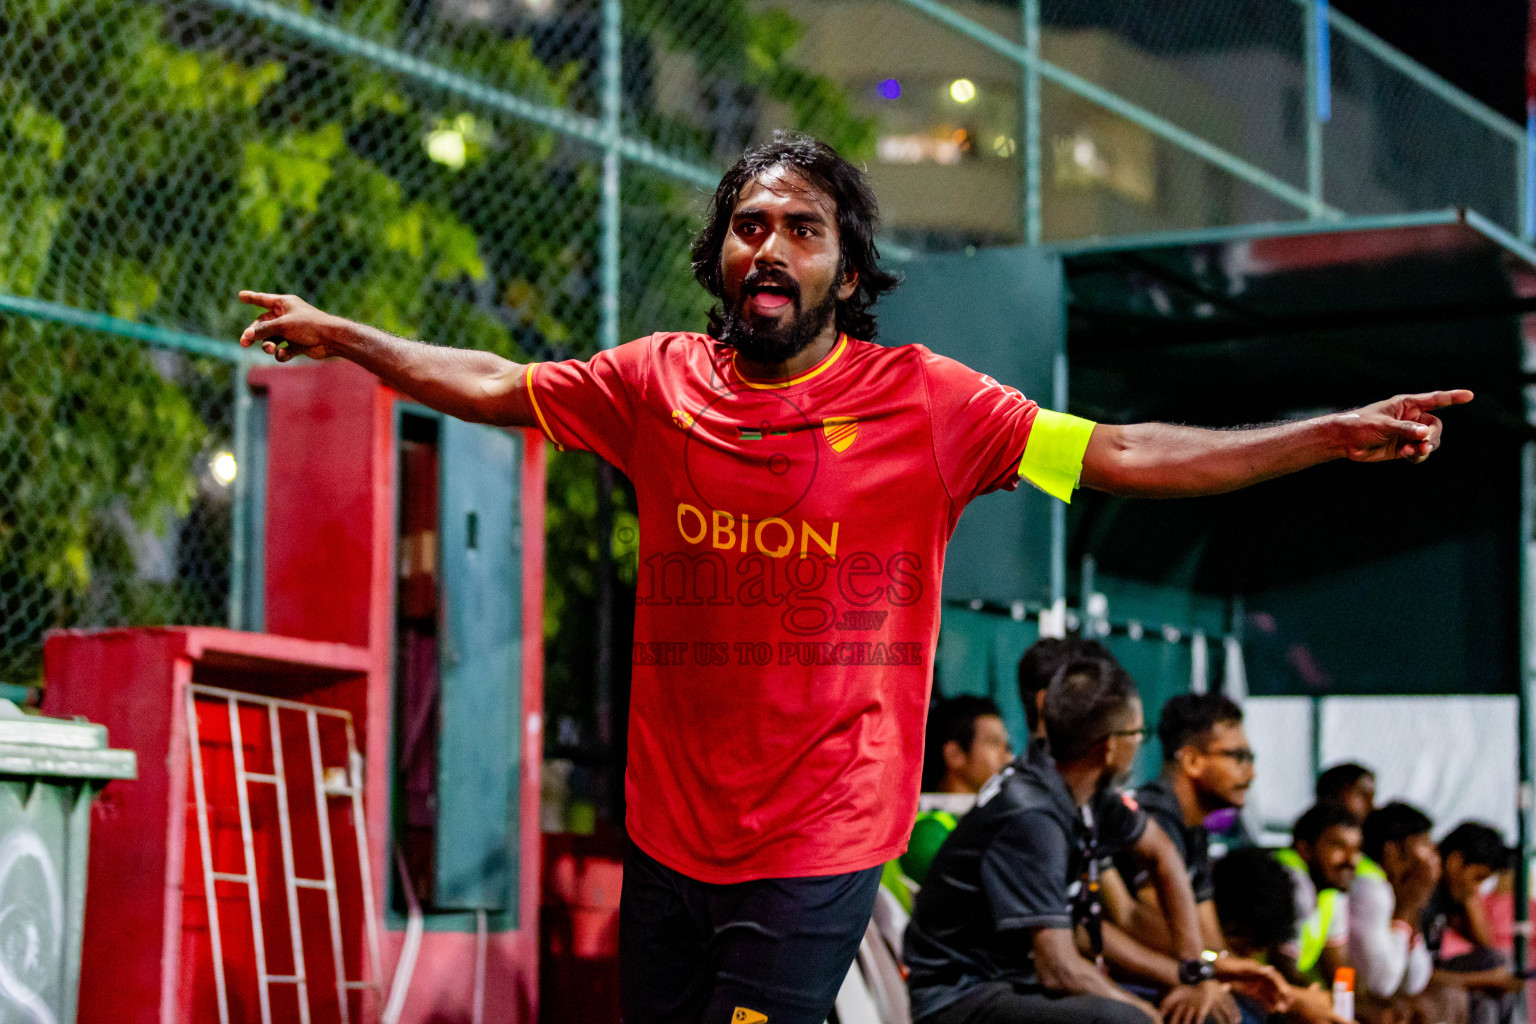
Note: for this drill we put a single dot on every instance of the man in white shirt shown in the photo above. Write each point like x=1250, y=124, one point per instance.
x=1393, y=883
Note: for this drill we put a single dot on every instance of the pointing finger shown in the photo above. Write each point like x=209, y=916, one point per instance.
x=1441, y=399
x=260, y=299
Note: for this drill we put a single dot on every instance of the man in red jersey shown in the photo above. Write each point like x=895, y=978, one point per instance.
x=797, y=485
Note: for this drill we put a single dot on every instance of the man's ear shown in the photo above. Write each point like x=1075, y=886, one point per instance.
x=1102, y=750
x=954, y=756
x=848, y=285
x=1188, y=759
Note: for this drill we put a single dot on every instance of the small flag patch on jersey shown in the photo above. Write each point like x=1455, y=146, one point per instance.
x=840, y=431
x=758, y=435
x=746, y=1016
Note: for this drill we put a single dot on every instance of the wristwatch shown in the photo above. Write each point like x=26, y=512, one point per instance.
x=1201, y=968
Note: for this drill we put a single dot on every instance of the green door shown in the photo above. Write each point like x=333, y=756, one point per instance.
x=481, y=659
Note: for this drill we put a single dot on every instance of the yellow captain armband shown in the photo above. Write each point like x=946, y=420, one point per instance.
x=1053, y=455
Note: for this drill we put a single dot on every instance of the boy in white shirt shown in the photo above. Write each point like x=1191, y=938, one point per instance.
x=1393, y=883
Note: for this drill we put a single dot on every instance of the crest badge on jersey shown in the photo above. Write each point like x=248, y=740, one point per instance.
x=840, y=432
x=742, y=1015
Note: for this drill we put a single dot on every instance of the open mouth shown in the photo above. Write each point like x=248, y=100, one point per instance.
x=769, y=299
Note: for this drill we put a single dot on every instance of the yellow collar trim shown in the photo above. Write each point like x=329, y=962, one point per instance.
x=819, y=368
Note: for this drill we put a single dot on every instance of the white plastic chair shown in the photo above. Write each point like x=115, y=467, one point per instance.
x=854, y=1003
x=882, y=976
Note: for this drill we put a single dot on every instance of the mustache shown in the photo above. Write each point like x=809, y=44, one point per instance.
x=769, y=277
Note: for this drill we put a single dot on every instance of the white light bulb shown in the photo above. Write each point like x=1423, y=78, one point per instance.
x=446, y=146
x=224, y=468
x=962, y=90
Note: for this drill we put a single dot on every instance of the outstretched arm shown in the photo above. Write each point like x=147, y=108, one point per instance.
x=1159, y=460
x=476, y=386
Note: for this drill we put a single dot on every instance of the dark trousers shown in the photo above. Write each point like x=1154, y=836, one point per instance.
x=998, y=1002
x=692, y=952
x=1484, y=1007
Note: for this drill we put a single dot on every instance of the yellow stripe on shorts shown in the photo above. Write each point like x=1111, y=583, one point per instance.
x=1053, y=456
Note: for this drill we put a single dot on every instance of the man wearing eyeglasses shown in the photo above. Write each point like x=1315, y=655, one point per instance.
x=1207, y=767
x=996, y=932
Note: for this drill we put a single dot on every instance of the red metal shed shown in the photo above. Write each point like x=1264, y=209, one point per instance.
x=395, y=693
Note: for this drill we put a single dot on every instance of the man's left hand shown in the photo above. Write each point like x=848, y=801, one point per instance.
x=1194, y=1004
x=1404, y=427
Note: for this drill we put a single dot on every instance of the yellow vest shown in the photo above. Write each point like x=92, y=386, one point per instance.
x=1314, y=930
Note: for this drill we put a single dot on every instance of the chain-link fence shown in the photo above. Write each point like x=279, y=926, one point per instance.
x=524, y=176
x=112, y=506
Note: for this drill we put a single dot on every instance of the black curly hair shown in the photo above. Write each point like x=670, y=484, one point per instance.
x=952, y=721
x=1478, y=844
x=858, y=219
x=1255, y=898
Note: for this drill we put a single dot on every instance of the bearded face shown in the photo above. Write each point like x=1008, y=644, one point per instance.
x=767, y=322
x=781, y=269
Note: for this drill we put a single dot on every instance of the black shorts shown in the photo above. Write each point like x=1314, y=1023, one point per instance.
x=773, y=950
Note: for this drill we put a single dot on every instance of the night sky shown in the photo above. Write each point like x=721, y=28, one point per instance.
x=1477, y=45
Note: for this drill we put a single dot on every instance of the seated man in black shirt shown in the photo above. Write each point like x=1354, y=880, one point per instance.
x=994, y=933
x=1143, y=959
x=1207, y=766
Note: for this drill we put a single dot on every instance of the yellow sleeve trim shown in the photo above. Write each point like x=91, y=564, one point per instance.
x=544, y=424
x=1053, y=455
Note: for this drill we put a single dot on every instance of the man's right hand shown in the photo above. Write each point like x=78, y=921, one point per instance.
x=289, y=327
x=1259, y=982
x=1196, y=1004
x=1412, y=890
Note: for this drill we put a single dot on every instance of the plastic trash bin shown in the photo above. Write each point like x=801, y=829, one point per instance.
x=50, y=770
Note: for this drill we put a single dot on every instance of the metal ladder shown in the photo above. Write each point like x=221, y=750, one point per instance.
x=329, y=782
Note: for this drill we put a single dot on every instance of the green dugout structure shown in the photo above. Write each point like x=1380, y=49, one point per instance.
x=1345, y=580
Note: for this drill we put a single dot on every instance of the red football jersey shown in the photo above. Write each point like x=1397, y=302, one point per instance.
x=792, y=541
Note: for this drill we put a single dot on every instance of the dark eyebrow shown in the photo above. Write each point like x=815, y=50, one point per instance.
x=757, y=213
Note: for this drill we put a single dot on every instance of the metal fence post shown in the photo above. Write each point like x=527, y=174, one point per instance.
x=612, y=210
x=1032, y=207
x=1525, y=164
x=613, y=101
x=1314, y=34
x=1527, y=767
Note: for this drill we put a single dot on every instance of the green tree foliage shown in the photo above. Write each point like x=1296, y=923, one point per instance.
x=161, y=156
